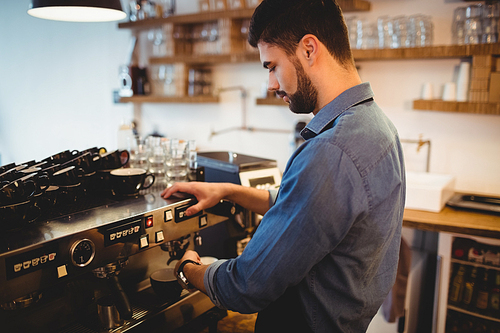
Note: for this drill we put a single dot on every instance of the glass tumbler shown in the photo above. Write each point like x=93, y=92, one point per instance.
x=139, y=154
x=458, y=26
x=177, y=163
x=385, y=32
x=491, y=13
x=157, y=158
x=400, y=35
x=473, y=24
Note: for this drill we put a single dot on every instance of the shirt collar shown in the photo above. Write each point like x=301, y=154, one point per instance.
x=332, y=110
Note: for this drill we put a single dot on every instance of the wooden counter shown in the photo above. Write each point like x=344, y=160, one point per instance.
x=455, y=221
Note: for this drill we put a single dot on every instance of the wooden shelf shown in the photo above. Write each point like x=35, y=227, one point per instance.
x=474, y=264
x=460, y=107
x=475, y=314
x=187, y=19
x=208, y=59
x=429, y=52
x=346, y=5
x=271, y=101
x=165, y=99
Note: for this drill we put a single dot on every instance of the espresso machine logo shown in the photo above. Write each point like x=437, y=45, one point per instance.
x=31, y=261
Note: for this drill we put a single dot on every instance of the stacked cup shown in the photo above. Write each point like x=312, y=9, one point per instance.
x=458, y=26
x=491, y=14
x=473, y=24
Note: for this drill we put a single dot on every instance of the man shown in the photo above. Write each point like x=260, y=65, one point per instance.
x=325, y=254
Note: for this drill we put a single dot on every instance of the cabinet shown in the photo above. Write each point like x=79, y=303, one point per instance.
x=465, y=299
x=233, y=49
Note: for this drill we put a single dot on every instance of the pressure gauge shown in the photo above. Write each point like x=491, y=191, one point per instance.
x=82, y=252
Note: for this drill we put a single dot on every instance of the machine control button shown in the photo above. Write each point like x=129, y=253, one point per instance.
x=148, y=221
x=61, y=271
x=168, y=216
x=144, y=241
x=203, y=221
x=180, y=213
x=159, y=236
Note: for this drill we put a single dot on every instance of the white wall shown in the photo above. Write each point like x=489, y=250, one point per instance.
x=56, y=83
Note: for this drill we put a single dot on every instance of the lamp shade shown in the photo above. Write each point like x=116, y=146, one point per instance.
x=77, y=10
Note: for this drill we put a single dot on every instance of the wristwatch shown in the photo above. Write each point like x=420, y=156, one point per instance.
x=181, y=277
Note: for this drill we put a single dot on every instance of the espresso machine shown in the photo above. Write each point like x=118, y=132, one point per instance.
x=228, y=239
x=88, y=270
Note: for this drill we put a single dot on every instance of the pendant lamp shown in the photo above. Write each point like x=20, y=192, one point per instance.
x=77, y=10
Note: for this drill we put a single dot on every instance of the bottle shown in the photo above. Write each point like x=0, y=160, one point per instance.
x=470, y=288
x=495, y=297
x=483, y=294
x=457, y=286
x=125, y=136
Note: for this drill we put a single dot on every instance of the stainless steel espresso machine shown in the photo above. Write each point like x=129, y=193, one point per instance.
x=56, y=274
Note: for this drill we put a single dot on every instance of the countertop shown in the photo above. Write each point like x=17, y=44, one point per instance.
x=454, y=221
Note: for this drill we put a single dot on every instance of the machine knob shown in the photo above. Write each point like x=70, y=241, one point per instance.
x=197, y=239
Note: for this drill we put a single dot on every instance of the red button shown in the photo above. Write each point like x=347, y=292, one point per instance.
x=149, y=221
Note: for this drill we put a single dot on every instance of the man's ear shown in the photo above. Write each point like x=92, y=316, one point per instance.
x=308, y=48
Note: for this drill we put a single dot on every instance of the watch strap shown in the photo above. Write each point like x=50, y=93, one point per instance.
x=182, y=277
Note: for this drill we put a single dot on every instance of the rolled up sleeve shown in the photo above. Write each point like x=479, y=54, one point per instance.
x=210, y=284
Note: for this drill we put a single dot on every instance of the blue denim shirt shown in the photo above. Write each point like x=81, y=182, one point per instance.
x=335, y=228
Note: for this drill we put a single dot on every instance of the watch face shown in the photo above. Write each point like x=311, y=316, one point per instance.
x=183, y=280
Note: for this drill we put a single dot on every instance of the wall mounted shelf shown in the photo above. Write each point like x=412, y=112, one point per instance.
x=165, y=99
x=271, y=101
x=346, y=5
x=209, y=59
x=428, y=52
x=460, y=107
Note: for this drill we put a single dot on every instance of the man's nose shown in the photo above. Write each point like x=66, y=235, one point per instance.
x=273, y=84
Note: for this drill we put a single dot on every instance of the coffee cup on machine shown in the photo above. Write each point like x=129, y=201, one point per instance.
x=114, y=159
x=62, y=156
x=129, y=181
x=95, y=150
x=87, y=161
x=68, y=176
x=40, y=179
x=16, y=191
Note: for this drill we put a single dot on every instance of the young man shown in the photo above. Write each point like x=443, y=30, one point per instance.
x=325, y=254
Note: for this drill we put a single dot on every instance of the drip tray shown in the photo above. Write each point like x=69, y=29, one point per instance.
x=150, y=315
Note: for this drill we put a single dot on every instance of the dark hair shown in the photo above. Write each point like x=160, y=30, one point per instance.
x=283, y=23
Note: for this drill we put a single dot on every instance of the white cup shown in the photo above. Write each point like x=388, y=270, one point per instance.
x=427, y=91
x=463, y=82
x=449, y=91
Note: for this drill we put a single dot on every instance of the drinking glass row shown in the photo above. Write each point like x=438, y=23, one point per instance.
x=391, y=32
x=476, y=24
x=169, y=160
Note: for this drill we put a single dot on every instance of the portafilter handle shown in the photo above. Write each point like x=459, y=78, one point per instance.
x=110, y=272
x=176, y=248
x=121, y=300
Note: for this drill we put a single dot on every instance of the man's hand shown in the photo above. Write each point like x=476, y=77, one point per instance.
x=194, y=273
x=192, y=255
x=207, y=194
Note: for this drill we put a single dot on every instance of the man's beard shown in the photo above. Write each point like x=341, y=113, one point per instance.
x=305, y=99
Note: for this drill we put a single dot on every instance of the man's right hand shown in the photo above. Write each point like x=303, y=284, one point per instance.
x=207, y=194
